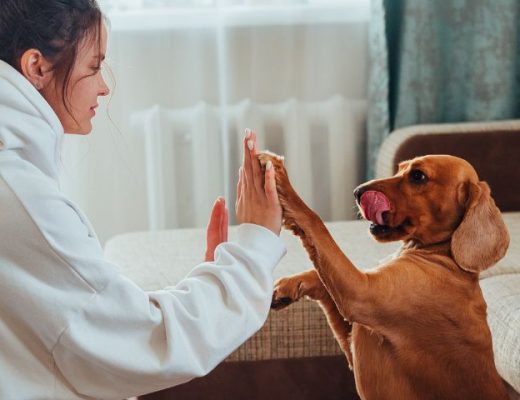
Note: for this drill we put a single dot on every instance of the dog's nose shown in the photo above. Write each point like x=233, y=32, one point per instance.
x=358, y=192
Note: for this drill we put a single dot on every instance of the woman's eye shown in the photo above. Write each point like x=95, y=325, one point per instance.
x=417, y=176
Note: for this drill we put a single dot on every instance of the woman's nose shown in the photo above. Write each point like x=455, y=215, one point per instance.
x=104, y=89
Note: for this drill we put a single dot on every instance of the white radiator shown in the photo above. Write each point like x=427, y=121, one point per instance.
x=193, y=155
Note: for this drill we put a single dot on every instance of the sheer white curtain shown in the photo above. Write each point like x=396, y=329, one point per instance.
x=223, y=65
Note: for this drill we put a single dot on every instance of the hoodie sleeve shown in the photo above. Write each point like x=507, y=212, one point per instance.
x=127, y=342
x=109, y=338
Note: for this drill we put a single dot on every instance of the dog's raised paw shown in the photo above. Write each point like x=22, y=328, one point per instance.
x=286, y=291
x=277, y=303
x=277, y=160
x=267, y=155
x=282, y=180
x=291, y=203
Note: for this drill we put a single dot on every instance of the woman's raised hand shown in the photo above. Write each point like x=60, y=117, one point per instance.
x=217, y=228
x=257, y=200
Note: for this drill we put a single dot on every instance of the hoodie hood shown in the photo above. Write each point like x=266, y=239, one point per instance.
x=29, y=127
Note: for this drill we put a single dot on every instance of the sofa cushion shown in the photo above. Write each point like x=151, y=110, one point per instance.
x=502, y=294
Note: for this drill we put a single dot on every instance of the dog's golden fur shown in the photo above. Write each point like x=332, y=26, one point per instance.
x=414, y=327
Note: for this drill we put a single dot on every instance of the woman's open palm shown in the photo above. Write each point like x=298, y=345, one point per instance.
x=217, y=228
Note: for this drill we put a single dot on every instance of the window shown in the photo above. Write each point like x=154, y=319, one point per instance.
x=127, y=5
x=180, y=14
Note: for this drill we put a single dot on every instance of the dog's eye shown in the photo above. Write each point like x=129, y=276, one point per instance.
x=417, y=176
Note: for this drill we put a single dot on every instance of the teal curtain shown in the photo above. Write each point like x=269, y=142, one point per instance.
x=435, y=61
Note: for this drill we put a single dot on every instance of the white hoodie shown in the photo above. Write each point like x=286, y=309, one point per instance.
x=71, y=326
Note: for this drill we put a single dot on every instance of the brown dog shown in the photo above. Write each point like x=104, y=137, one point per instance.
x=414, y=327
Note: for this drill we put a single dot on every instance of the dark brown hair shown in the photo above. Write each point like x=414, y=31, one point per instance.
x=55, y=27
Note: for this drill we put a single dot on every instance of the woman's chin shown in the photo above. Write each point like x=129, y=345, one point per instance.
x=83, y=129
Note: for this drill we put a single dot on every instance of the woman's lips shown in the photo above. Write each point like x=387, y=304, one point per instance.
x=373, y=204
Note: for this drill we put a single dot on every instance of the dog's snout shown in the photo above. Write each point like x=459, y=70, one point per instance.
x=358, y=192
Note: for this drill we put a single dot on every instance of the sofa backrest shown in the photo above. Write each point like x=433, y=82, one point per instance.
x=493, y=148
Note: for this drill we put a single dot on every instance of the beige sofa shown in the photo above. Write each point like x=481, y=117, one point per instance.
x=294, y=355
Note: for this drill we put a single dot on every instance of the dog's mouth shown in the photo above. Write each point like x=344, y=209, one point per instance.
x=375, y=207
x=389, y=232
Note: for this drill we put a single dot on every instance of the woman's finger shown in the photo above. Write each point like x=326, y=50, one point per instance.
x=213, y=234
x=248, y=143
x=239, y=184
x=255, y=164
x=239, y=187
x=224, y=224
x=270, y=183
x=215, y=216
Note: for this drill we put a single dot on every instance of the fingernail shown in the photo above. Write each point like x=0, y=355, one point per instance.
x=248, y=133
x=250, y=145
x=269, y=165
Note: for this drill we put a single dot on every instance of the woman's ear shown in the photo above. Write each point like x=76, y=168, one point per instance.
x=481, y=239
x=35, y=67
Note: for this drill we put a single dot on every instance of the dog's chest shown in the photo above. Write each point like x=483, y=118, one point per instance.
x=367, y=343
x=375, y=366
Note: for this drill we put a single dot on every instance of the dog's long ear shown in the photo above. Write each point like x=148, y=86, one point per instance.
x=481, y=239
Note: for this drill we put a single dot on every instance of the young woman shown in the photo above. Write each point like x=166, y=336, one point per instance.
x=71, y=326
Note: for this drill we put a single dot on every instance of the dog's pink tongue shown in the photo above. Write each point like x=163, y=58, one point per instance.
x=373, y=205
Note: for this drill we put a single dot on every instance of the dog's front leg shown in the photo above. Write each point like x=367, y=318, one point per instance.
x=347, y=285
x=292, y=288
